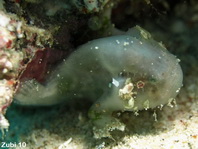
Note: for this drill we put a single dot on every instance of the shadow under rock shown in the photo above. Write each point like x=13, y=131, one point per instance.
x=24, y=119
x=70, y=121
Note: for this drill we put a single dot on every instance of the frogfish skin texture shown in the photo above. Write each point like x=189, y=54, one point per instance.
x=129, y=72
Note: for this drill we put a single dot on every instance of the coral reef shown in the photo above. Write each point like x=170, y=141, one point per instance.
x=18, y=44
x=71, y=24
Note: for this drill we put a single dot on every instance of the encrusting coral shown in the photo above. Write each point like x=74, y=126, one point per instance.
x=18, y=44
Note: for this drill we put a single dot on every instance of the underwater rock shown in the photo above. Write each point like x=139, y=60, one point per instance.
x=129, y=72
x=88, y=6
x=18, y=44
